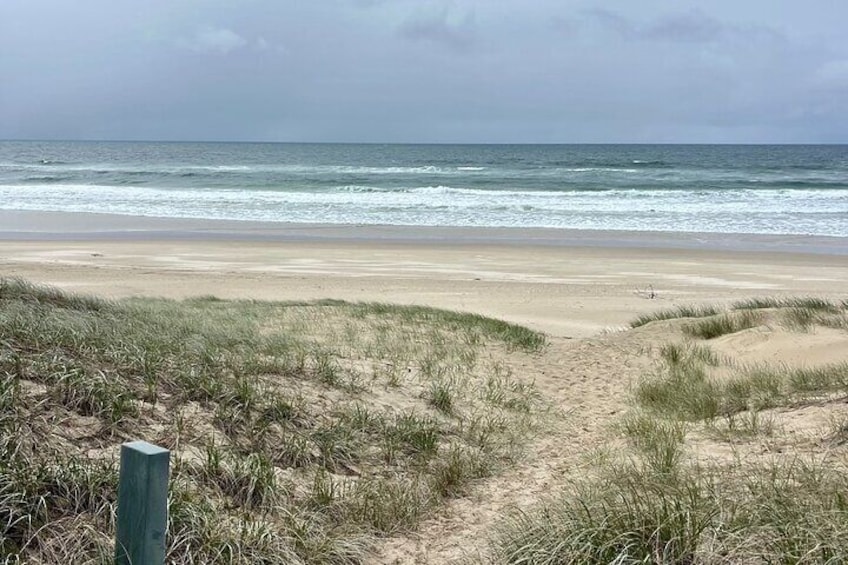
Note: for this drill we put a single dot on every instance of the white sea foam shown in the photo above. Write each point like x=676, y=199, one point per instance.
x=561, y=170
x=720, y=189
x=257, y=168
x=789, y=211
x=425, y=170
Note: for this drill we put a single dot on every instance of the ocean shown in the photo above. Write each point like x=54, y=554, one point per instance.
x=757, y=189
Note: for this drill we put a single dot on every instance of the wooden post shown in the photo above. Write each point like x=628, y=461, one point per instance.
x=142, y=504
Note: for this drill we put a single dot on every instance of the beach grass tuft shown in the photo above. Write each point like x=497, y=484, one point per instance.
x=723, y=324
x=658, y=440
x=779, y=512
x=809, y=303
x=684, y=388
x=683, y=311
x=805, y=302
x=24, y=291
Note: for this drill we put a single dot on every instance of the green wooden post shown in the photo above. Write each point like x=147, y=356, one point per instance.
x=142, y=504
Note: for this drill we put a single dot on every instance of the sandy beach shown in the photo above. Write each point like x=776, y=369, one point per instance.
x=569, y=284
x=581, y=288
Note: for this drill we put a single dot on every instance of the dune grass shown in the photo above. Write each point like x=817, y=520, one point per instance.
x=683, y=311
x=658, y=441
x=786, y=512
x=723, y=324
x=802, y=313
x=810, y=306
x=805, y=302
x=684, y=388
x=653, y=501
x=301, y=432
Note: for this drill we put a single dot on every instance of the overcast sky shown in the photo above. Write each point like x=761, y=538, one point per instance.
x=425, y=70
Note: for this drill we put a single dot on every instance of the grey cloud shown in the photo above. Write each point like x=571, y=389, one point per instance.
x=684, y=27
x=425, y=70
x=442, y=27
x=694, y=26
x=565, y=25
x=214, y=40
x=612, y=21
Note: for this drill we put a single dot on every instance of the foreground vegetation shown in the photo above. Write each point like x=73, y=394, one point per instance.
x=300, y=432
x=702, y=470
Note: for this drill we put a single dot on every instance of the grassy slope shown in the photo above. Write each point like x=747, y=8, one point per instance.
x=663, y=499
x=300, y=432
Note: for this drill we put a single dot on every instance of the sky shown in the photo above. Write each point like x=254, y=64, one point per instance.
x=429, y=71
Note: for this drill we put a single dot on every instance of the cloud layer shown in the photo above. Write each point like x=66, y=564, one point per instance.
x=425, y=70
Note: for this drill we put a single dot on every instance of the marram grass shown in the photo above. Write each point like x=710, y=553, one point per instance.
x=653, y=502
x=684, y=311
x=791, y=512
x=280, y=452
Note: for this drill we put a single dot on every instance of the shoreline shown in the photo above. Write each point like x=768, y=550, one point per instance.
x=20, y=225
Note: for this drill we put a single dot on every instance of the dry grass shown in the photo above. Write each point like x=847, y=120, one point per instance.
x=301, y=432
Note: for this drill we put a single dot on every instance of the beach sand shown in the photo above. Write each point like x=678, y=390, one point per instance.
x=579, y=288
x=569, y=284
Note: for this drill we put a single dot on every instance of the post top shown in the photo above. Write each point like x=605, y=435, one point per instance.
x=144, y=448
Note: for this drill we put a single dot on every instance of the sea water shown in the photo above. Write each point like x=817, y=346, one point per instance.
x=760, y=189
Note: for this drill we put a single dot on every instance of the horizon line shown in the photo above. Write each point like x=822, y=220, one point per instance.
x=258, y=142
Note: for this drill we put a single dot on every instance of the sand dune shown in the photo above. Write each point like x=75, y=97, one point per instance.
x=775, y=345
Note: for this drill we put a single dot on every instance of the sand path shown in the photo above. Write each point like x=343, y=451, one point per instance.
x=587, y=381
